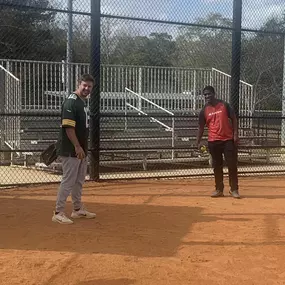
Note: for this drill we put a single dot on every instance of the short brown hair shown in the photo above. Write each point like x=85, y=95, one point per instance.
x=87, y=78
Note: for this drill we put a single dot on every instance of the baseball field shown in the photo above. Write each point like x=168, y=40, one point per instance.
x=147, y=232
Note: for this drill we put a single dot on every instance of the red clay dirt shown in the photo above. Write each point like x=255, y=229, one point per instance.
x=146, y=232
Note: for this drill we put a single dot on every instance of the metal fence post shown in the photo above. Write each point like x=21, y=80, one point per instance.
x=2, y=115
x=69, y=49
x=194, y=105
x=95, y=95
x=126, y=110
x=283, y=101
x=140, y=89
x=236, y=54
x=173, y=138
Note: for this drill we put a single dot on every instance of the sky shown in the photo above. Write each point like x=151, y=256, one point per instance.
x=255, y=12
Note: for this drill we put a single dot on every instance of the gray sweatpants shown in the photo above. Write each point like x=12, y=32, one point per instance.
x=74, y=172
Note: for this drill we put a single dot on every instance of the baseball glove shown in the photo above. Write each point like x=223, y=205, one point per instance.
x=49, y=155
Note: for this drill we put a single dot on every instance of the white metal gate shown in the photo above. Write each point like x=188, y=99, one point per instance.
x=10, y=106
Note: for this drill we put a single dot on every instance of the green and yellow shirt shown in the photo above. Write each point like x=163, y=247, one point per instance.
x=73, y=115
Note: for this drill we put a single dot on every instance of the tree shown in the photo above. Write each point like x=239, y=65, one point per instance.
x=107, y=35
x=157, y=49
x=262, y=64
x=160, y=49
x=129, y=50
x=81, y=41
x=262, y=55
x=27, y=33
x=206, y=47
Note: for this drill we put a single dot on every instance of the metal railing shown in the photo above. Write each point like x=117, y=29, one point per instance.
x=222, y=83
x=173, y=88
x=10, y=106
x=139, y=99
x=44, y=85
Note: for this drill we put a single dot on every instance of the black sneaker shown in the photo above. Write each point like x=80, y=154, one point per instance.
x=217, y=193
x=235, y=194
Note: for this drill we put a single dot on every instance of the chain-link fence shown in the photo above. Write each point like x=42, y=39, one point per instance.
x=151, y=61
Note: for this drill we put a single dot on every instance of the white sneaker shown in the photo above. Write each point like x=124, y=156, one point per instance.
x=61, y=218
x=82, y=213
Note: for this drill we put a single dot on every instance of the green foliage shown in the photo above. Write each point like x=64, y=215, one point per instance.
x=206, y=47
x=155, y=50
x=35, y=34
x=262, y=64
x=27, y=33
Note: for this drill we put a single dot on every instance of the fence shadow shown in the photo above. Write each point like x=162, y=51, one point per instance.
x=137, y=230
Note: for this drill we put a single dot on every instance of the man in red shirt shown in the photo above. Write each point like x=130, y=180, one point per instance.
x=221, y=122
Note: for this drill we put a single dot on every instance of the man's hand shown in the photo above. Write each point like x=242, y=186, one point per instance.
x=73, y=138
x=79, y=152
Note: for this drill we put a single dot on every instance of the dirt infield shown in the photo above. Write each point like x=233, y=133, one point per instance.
x=146, y=232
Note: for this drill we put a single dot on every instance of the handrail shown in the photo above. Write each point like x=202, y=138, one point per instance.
x=11, y=148
x=12, y=75
x=221, y=72
x=141, y=97
x=155, y=120
x=159, y=122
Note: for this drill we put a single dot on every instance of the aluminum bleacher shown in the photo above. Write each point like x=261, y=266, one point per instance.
x=157, y=132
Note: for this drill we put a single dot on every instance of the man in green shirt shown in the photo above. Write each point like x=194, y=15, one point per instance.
x=72, y=149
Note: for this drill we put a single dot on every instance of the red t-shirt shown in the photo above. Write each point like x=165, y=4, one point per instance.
x=218, y=120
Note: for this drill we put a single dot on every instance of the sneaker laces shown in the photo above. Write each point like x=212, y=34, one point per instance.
x=62, y=214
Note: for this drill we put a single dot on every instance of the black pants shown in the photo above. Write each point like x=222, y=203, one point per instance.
x=228, y=148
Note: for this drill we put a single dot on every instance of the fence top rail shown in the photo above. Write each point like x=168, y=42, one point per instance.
x=223, y=73
x=143, y=98
x=12, y=75
x=109, y=65
x=42, y=62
